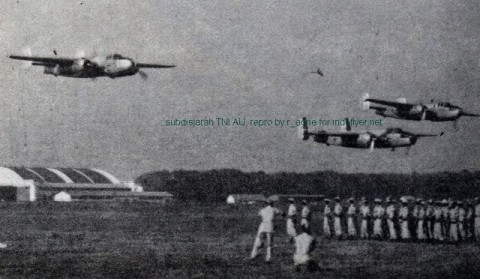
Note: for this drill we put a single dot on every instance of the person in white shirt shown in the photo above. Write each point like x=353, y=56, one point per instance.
x=305, y=214
x=378, y=213
x=265, y=231
x=291, y=220
x=351, y=214
x=337, y=213
x=461, y=221
x=391, y=211
x=403, y=216
x=437, y=226
x=327, y=216
x=453, y=217
x=476, y=223
x=305, y=243
x=421, y=235
x=365, y=215
x=429, y=218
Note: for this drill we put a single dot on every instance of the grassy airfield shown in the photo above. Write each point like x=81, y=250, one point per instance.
x=148, y=240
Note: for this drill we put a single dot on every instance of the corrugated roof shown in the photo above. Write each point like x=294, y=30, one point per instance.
x=56, y=175
x=9, y=177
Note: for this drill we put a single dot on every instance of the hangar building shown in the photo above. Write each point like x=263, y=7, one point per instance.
x=29, y=184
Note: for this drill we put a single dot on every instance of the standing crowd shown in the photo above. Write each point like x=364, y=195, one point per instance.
x=415, y=220
x=433, y=221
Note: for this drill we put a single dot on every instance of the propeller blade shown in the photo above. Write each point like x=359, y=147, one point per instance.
x=143, y=75
x=455, y=124
x=372, y=145
x=407, y=150
x=424, y=114
x=27, y=51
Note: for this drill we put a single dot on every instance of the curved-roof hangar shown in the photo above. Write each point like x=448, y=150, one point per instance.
x=17, y=176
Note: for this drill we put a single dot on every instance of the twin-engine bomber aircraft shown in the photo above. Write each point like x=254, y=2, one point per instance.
x=387, y=138
x=438, y=112
x=112, y=66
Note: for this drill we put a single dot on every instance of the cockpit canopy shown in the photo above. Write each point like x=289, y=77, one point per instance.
x=445, y=104
x=115, y=56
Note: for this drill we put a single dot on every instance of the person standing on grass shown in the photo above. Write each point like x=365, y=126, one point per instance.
x=437, y=226
x=421, y=235
x=429, y=218
x=453, y=214
x=378, y=213
x=351, y=213
x=477, y=219
x=446, y=223
x=391, y=219
x=305, y=243
x=365, y=215
x=461, y=221
x=291, y=220
x=327, y=216
x=265, y=231
x=403, y=216
x=337, y=213
x=306, y=215
x=470, y=219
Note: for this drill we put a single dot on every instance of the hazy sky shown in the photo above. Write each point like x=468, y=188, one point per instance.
x=244, y=58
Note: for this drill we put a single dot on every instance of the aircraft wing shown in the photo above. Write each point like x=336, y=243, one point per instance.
x=398, y=105
x=45, y=61
x=470, y=114
x=344, y=134
x=158, y=66
x=424, y=135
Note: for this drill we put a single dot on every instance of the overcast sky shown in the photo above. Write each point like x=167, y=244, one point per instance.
x=244, y=58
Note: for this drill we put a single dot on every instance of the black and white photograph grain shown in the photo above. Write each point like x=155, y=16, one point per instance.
x=239, y=139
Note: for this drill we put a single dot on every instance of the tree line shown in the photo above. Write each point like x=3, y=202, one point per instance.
x=215, y=185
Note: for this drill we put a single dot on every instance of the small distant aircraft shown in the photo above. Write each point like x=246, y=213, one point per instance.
x=386, y=138
x=318, y=72
x=438, y=112
x=112, y=66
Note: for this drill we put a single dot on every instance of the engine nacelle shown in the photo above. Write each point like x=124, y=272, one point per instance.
x=49, y=70
x=364, y=140
x=321, y=137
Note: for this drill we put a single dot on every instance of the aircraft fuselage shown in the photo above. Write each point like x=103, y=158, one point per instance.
x=96, y=67
x=364, y=140
x=433, y=112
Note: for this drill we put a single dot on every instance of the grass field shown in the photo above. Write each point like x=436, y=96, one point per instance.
x=148, y=240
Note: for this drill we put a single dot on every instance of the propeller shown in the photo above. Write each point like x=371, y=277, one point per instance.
x=407, y=150
x=27, y=51
x=424, y=114
x=143, y=74
x=455, y=124
x=372, y=144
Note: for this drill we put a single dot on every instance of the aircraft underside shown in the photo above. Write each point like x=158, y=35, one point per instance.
x=85, y=72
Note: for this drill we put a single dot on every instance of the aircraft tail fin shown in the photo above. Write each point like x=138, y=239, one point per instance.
x=303, y=130
x=365, y=104
x=345, y=127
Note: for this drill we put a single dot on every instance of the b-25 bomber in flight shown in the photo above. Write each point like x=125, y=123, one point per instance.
x=112, y=66
x=386, y=138
x=438, y=112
